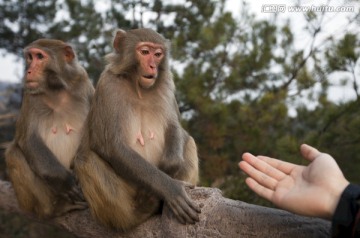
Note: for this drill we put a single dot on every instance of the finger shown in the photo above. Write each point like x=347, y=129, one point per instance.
x=189, y=217
x=75, y=194
x=188, y=199
x=264, y=167
x=192, y=215
x=82, y=204
x=259, y=189
x=309, y=152
x=194, y=208
x=191, y=212
x=178, y=213
x=282, y=166
x=248, y=157
x=187, y=209
x=260, y=177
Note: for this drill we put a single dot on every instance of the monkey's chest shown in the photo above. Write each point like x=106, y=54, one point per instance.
x=147, y=136
x=63, y=140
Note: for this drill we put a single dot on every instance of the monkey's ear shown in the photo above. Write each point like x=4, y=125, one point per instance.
x=69, y=53
x=118, y=39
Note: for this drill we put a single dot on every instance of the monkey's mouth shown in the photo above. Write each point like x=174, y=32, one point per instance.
x=148, y=76
x=31, y=84
x=147, y=81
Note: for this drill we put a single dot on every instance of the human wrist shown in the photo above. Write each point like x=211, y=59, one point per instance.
x=334, y=198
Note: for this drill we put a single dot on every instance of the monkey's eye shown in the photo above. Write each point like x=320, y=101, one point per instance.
x=158, y=54
x=39, y=56
x=144, y=51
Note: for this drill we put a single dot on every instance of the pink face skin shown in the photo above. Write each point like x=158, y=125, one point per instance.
x=150, y=56
x=36, y=60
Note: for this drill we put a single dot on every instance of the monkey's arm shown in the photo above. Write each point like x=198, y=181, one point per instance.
x=45, y=165
x=132, y=167
x=172, y=157
x=174, y=144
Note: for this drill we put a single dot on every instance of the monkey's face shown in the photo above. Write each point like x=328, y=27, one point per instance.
x=36, y=61
x=150, y=56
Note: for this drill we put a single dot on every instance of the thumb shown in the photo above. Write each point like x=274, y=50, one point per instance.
x=308, y=152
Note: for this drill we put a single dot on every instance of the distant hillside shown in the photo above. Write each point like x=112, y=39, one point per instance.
x=10, y=102
x=10, y=97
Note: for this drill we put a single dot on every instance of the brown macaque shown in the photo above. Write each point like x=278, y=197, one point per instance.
x=57, y=96
x=135, y=155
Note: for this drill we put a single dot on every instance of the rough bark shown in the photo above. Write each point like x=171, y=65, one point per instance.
x=220, y=217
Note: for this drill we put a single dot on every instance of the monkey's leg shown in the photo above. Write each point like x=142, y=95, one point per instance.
x=189, y=170
x=32, y=193
x=111, y=200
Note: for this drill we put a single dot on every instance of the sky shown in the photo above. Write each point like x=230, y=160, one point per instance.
x=12, y=68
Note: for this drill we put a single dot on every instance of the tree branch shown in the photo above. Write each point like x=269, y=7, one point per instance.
x=220, y=217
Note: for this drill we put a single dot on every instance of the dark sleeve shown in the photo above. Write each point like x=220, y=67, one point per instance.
x=346, y=219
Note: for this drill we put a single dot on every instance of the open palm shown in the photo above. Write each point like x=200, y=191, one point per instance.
x=312, y=190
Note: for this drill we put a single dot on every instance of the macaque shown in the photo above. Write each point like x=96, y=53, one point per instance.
x=135, y=155
x=56, y=101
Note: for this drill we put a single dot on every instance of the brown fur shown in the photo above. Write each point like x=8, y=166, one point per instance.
x=120, y=190
x=54, y=117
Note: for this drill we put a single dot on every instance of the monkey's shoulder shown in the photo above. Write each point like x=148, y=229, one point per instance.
x=110, y=84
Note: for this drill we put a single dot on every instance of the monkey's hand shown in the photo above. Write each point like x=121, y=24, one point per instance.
x=69, y=189
x=185, y=210
x=74, y=193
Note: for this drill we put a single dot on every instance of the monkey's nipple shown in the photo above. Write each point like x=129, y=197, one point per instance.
x=140, y=138
x=68, y=129
x=54, y=130
x=151, y=135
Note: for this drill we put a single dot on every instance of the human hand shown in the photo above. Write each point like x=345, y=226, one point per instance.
x=312, y=190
